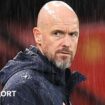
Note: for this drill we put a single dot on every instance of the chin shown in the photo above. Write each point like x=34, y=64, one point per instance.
x=63, y=64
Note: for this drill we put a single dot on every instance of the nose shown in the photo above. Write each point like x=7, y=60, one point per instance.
x=67, y=41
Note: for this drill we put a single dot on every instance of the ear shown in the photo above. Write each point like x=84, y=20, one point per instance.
x=37, y=35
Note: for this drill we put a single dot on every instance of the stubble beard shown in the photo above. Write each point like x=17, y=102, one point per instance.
x=62, y=63
x=58, y=61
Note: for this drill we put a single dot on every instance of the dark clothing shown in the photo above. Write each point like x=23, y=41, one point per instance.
x=36, y=80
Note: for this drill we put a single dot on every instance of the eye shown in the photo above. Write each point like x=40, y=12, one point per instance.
x=74, y=34
x=58, y=33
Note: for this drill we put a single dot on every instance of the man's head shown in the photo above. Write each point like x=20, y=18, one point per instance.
x=57, y=33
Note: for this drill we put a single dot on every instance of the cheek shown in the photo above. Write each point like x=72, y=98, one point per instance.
x=51, y=49
x=47, y=46
x=75, y=47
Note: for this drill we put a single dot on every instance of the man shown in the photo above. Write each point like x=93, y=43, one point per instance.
x=40, y=75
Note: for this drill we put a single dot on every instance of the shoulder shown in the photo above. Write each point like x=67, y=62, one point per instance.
x=29, y=88
x=26, y=79
x=26, y=89
x=29, y=78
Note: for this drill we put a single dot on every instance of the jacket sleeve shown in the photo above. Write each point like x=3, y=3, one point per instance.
x=24, y=95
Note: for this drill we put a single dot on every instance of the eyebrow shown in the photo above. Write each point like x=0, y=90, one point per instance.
x=63, y=31
x=74, y=32
x=58, y=30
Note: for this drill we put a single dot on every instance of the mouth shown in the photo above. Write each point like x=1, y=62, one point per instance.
x=64, y=56
x=64, y=53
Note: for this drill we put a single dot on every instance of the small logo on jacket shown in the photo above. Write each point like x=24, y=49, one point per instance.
x=64, y=103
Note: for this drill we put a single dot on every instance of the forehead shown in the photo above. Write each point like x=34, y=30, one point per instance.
x=60, y=21
x=61, y=16
x=51, y=17
x=65, y=27
x=56, y=12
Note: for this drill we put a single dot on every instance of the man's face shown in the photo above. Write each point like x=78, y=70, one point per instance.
x=58, y=31
x=59, y=42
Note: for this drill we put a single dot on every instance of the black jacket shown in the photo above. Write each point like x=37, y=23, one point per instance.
x=36, y=80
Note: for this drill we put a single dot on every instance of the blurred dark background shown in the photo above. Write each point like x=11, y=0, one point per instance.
x=18, y=17
x=26, y=10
